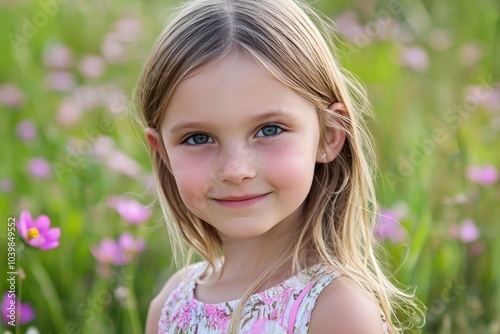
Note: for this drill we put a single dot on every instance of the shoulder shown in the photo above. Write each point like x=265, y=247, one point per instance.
x=156, y=306
x=345, y=307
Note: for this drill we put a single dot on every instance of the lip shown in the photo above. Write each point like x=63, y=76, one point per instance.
x=240, y=201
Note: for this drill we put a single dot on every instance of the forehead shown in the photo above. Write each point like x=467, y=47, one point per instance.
x=235, y=84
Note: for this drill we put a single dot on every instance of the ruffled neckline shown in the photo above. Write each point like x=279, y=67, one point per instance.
x=303, y=278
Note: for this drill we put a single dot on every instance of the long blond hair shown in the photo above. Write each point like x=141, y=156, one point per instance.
x=295, y=44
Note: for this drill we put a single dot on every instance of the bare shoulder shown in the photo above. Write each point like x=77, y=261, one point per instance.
x=157, y=303
x=344, y=307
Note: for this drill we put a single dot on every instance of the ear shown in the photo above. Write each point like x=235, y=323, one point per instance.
x=333, y=138
x=154, y=142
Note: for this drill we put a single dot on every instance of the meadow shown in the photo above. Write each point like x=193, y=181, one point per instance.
x=74, y=159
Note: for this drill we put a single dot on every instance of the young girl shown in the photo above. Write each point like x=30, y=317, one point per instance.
x=264, y=170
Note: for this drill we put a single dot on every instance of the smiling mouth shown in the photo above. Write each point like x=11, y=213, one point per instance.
x=240, y=201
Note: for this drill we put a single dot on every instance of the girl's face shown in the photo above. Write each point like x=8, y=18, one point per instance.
x=242, y=147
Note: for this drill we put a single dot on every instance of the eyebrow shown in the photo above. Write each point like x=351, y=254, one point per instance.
x=279, y=114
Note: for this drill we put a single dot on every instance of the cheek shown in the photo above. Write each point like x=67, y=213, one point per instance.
x=192, y=181
x=291, y=167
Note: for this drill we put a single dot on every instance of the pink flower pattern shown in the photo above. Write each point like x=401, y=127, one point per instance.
x=269, y=311
x=216, y=317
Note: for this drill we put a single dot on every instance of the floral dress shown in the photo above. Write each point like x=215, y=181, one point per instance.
x=283, y=309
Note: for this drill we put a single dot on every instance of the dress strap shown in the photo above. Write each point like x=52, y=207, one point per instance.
x=295, y=307
x=300, y=314
x=196, y=270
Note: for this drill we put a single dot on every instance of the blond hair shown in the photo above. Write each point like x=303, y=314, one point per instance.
x=295, y=44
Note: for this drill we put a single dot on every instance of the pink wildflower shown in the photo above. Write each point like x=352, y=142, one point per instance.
x=14, y=314
x=11, y=96
x=122, y=163
x=388, y=226
x=26, y=130
x=414, y=58
x=6, y=185
x=485, y=175
x=103, y=146
x=130, y=210
x=483, y=96
x=60, y=81
x=58, y=57
x=348, y=26
x=69, y=111
x=124, y=31
x=39, y=168
x=91, y=66
x=37, y=233
x=88, y=97
x=105, y=151
x=127, y=29
x=492, y=101
x=108, y=252
x=130, y=246
x=467, y=231
x=117, y=253
x=113, y=50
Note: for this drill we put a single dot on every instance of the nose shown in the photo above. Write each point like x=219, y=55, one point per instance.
x=236, y=166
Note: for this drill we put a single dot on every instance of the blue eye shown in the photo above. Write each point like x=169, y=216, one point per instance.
x=269, y=131
x=198, y=139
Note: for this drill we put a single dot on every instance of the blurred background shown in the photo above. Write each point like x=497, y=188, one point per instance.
x=74, y=155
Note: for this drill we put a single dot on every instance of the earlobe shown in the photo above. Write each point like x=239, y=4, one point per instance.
x=153, y=140
x=334, y=136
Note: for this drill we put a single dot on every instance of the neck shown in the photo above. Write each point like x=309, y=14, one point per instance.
x=248, y=260
x=245, y=260
x=250, y=254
